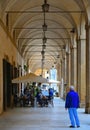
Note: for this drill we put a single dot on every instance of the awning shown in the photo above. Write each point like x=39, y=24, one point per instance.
x=30, y=77
x=53, y=82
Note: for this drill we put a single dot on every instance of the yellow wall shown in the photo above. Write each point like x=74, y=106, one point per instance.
x=7, y=49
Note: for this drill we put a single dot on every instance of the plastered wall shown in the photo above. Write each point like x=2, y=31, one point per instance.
x=7, y=50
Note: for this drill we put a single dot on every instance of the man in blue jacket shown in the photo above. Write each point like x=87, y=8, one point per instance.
x=72, y=103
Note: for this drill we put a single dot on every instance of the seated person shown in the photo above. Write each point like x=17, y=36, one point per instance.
x=26, y=97
x=45, y=97
x=45, y=93
x=39, y=98
x=50, y=93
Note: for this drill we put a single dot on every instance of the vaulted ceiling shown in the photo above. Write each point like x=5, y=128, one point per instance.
x=25, y=19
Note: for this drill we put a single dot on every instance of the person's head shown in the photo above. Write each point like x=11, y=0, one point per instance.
x=39, y=84
x=71, y=87
x=34, y=83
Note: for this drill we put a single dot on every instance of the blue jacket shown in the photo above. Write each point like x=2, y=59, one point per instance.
x=50, y=92
x=72, y=100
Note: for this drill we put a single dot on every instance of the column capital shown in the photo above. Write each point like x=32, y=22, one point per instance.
x=68, y=53
x=81, y=37
x=73, y=47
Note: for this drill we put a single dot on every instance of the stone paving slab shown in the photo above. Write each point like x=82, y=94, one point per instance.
x=45, y=118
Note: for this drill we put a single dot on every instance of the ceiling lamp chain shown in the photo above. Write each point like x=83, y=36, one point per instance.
x=44, y=26
x=45, y=8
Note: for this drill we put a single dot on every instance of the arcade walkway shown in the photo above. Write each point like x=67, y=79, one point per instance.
x=46, y=118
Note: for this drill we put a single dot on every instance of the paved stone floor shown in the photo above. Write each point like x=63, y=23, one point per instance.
x=45, y=118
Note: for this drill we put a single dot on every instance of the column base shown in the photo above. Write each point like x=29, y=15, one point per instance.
x=82, y=105
x=87, y=110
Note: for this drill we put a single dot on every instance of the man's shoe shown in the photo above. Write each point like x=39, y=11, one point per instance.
x=78, y=126
x=72, y=126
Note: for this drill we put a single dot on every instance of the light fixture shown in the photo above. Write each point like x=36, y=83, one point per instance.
x=64, y=47
x=44, y=46
x=73, y=30
x=42, y=61
x=45, y=6
x=58, y=56
x=44, y=39
x=72, y=37
x=44, y=26
x=42, y=52
x=55, y=62
x=43, y=56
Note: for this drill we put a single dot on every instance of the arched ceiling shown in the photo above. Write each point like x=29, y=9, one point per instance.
x=24, y=19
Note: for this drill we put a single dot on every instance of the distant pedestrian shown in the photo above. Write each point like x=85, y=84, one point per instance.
x=72, y=103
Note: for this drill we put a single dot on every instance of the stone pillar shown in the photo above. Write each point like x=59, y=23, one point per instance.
x=87, y=107
x=81, y=66
x=74, y=66
x=65, y=65
x=58, y=66
x=62, y=69
x=20, y=74
x=1, y=86
x=68, y=68
x=64, y=73
x=62, y=78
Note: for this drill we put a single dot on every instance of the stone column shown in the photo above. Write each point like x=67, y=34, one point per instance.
x=1, y=85
x=65, y=73
x=87, y=107
x=62, y=78
x=65, y=62
x=74, y=66
x=68, y=68
x=64, y=67
x=81, y=66
x=20, y=74
x=58, y=66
